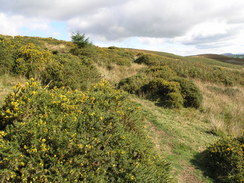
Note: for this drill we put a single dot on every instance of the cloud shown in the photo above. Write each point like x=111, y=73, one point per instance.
x=55, y=9
x=208, y=23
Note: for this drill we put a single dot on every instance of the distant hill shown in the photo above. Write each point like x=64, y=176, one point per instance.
x=224, y=58
x=234, y=55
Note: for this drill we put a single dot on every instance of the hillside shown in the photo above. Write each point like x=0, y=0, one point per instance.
x=92, y=114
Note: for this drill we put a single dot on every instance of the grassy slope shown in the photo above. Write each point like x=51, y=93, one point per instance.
x=178, y=134
x=181, y=134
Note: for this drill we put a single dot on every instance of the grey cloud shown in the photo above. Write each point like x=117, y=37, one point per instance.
x=54, y=9
x=118, y=19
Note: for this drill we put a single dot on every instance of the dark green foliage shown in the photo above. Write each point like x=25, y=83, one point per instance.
x=191, y=94
x=60, y=136
x=224, y=160
x=80, y=40
x=166, y=93
x=133, y=84
x=148, y=60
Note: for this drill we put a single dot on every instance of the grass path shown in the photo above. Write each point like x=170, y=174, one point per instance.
x=178, y=135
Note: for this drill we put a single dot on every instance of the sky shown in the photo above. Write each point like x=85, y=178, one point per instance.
x=182, y=27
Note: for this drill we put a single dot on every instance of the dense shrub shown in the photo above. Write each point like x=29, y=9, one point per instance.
x=148, y=60
x=167, y=93
x=191, y=94
x=70, y=71
x=134, y=84
x=224, y=160
x=163, y=72
x=31, y=61
x=161, y=84
x=59, y=135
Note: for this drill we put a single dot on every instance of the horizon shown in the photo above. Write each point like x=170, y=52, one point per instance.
x=181, y=27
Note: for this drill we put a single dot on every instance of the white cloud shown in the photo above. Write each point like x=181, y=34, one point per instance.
x=17, y=24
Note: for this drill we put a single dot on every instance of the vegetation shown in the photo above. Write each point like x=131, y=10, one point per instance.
x=224, y=160
x=161, y=84
x=100, y=130
x=174, y=109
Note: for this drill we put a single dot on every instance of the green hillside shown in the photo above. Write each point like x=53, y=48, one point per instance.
x=75, y=112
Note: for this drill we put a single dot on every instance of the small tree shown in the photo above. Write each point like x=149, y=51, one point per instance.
x=80, y=40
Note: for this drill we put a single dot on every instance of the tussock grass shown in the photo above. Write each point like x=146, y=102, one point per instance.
x=223, y=107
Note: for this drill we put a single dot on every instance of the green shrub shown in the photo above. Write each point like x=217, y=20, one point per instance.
x=224, y=160
x=167, y=93
x=60, y=135
x=191, y=94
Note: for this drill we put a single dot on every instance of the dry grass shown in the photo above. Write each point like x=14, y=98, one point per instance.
x=59, y=47
x=117, y=72
x=223, y=107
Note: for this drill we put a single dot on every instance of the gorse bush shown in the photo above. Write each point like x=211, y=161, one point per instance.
x=134, y=84
x=224, y=160
x=31, y=61
x=166, y=93
x=69, y=71
x=148, y=60
x=163, y=72
x=27, y=58
x=60, y=135
x=191, y=94
x=161, y=84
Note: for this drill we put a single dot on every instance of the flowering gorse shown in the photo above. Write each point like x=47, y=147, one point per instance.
x=60, y=135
